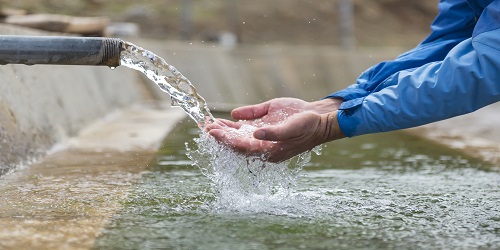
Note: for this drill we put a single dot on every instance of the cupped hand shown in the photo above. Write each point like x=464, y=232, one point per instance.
x=284, y=127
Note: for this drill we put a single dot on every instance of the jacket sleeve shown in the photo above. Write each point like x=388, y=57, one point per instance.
x=454, y=23
x=466, y=79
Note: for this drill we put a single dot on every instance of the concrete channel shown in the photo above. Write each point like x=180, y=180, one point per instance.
x=73, y=139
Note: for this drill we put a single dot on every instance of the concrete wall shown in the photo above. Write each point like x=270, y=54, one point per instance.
x=250, y=74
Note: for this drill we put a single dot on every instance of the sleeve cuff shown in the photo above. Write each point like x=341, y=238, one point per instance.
x=351, y=92
x=347, y=126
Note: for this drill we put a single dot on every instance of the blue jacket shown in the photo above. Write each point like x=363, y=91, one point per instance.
x=454, y=71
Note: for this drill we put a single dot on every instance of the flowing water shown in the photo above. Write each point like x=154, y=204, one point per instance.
x=168, y=79
x=386, y=191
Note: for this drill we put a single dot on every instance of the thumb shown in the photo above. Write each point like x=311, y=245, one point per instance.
x=296, y=126
x=250, y=112
x=276, y=133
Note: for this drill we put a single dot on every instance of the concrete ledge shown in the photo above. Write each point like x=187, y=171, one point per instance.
x=138, y=128
x=65, y=200
x=476, y=134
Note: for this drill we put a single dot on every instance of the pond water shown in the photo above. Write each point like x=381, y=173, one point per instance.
x=381, y=191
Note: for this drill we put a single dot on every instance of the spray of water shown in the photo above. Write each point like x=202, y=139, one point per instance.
x=171, y=81
x=246, y=183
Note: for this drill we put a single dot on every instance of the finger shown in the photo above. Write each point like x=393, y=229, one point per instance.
x=216, y=124
x=231, y=124
x=245, y=145
x=218, y=134
x=223, y=123
x=282, y=156
x=276, y=133
x=228, y=136
x=250, y=112
x=212, y=126
x=234, y=142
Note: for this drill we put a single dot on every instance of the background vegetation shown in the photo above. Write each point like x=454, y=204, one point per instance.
x=377, y=22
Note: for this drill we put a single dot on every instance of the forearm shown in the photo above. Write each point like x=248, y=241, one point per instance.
x=466, y=80
x=326, y=105
x=454, y=24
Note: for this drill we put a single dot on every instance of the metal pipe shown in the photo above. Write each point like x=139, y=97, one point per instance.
x=60, y=50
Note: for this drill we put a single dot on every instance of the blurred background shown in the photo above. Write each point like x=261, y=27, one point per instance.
x=318, y=22
x=242, y=52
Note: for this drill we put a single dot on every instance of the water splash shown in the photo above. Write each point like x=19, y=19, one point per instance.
x=246, y=183
x=171, y=81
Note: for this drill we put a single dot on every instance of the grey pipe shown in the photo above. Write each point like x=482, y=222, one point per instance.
x=60, y=50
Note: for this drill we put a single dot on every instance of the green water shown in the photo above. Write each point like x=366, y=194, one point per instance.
x=386, y=191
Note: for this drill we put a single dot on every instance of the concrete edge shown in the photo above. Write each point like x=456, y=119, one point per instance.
x=476, y=134
x=65, y=200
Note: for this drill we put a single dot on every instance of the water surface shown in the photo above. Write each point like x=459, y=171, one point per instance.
x=384, y=191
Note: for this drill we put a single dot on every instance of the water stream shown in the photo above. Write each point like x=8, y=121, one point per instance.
x=168, y=79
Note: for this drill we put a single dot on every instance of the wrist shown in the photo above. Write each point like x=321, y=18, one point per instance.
x=333, y=131
x=326, y=105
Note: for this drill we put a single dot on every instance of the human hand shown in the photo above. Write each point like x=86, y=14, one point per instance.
x=283, y=127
